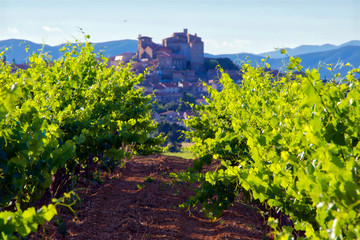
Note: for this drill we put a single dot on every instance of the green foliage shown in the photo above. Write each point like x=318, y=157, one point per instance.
x=157, y=107
x=14, y=225
x=30, y=147
x=290, y=142
x=173, y=132
x=183, y=153
x=171, y=106
x=224, y=63
x=140, y=186
x=187, y=100
x=148, y=179
x=24, y=222
x=67, y=114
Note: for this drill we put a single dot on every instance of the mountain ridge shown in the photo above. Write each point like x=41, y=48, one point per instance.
x=16, y=48
x=311, y=55
x=300, y=50
x=345, y=53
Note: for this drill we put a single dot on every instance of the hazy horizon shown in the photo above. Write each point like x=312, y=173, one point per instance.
x=226, y=26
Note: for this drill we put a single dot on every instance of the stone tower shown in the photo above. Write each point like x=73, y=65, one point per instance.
x=188, y=45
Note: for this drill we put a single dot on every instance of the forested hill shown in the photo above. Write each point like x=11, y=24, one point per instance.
x=16, y=48
x=310, y=55
x=345, y=54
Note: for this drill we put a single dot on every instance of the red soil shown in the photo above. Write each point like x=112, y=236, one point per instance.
x=140, y=201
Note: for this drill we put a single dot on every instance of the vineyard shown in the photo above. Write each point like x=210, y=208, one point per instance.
x=290, y=142
x=60, y=120
x=287, y=142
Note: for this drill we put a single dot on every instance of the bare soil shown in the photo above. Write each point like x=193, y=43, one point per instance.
x=140, y=201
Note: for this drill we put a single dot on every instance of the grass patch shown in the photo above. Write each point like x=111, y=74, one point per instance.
x=184, y=153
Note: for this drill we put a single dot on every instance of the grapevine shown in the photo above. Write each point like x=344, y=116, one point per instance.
x=60, y=120
x=289, y=141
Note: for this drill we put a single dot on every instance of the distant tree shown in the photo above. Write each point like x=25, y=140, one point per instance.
x=225, y=63
x=183, y=107
x=171, y=106
x=164, y=127
x=158, y=107
x=188, y=97
x=185, y=101
x=210, y=63
x=174, y=134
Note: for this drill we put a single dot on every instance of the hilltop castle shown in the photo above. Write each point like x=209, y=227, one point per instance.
x=178, y=52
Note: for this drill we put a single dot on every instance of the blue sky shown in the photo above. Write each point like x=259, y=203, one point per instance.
x=225, y=26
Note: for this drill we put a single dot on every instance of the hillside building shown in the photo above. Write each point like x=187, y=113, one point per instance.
x=179, y=52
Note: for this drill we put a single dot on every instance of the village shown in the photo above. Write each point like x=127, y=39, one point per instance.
x=175, y=70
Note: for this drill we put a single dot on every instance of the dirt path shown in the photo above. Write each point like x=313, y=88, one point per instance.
x=140, y=202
